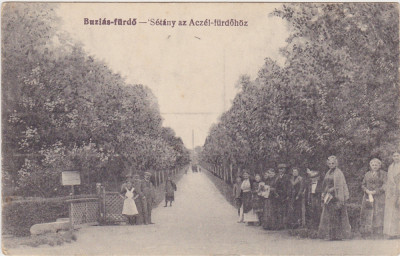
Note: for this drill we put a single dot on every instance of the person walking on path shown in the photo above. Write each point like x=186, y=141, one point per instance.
x=148, y=198
x=373, y=202
x=334, y=223
x=129, y=209
x=170, y=188
x=391, y=226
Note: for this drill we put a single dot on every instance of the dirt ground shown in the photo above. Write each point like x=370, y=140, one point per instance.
x=202, y=222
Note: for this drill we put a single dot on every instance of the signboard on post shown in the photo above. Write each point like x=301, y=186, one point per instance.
x=71, y=178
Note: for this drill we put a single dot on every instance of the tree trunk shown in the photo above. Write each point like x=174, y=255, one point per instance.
x=231, y=173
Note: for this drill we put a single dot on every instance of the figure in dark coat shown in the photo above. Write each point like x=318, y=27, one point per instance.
x=170, y=188
x=296, y=196
x=137, y=184
x=148, y=198
x=269, y=219
x=281, y=190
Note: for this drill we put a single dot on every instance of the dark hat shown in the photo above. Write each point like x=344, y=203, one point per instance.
x=280, y=166
x=312, y=173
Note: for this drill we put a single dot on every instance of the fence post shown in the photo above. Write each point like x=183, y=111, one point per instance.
x=71, y=225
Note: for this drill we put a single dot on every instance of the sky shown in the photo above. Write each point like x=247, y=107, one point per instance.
x=188, y=68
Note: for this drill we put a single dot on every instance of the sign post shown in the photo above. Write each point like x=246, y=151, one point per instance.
x=71, y=178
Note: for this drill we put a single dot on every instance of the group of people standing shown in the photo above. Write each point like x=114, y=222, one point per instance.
x=139, y=197
x=279, y=201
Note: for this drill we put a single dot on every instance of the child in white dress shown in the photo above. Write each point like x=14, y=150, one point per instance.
x=129, y=209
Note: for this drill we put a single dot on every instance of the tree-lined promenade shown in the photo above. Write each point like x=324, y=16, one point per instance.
x=65, y=110
x=337, y=94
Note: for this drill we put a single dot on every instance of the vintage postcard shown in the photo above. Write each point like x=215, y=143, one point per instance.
x=200, y=128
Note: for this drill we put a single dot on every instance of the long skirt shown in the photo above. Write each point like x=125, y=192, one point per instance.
x=257, y=203
x=129, y=207
x=334, y=223
x=313, y=211
x=247, y=202
x=371, y=218
x=269, y=220
x=249, y=215
x=391, y=225
x=169, y=197
x=294, y=213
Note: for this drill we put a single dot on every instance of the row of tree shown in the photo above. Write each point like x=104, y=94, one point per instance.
x=338, y=93
x=64, y=110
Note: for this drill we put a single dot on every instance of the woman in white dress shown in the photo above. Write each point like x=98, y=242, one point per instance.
x=129, y=209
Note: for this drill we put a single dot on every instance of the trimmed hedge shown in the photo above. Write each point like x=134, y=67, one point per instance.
x=18, y=217
x=223, y=187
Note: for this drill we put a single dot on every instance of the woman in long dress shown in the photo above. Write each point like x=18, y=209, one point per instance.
x=373, y=202
x=269, y=220
x=257, y=200
x=170, y=188
x=391, y=225
x=249, y=215
x=129, y=209
x=334, y=223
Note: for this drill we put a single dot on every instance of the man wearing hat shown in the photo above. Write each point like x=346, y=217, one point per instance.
x=137, y=184
x=148, y=198
x=281, y=190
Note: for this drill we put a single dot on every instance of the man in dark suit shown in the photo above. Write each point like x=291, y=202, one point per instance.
x=281, y=189
x=137, y=184
x=148, y=197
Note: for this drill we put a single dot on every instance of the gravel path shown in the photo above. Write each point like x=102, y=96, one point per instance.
x=201, y=221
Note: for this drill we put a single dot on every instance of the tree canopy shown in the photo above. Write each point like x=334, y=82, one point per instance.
x=65, y=110
x=337, y=93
